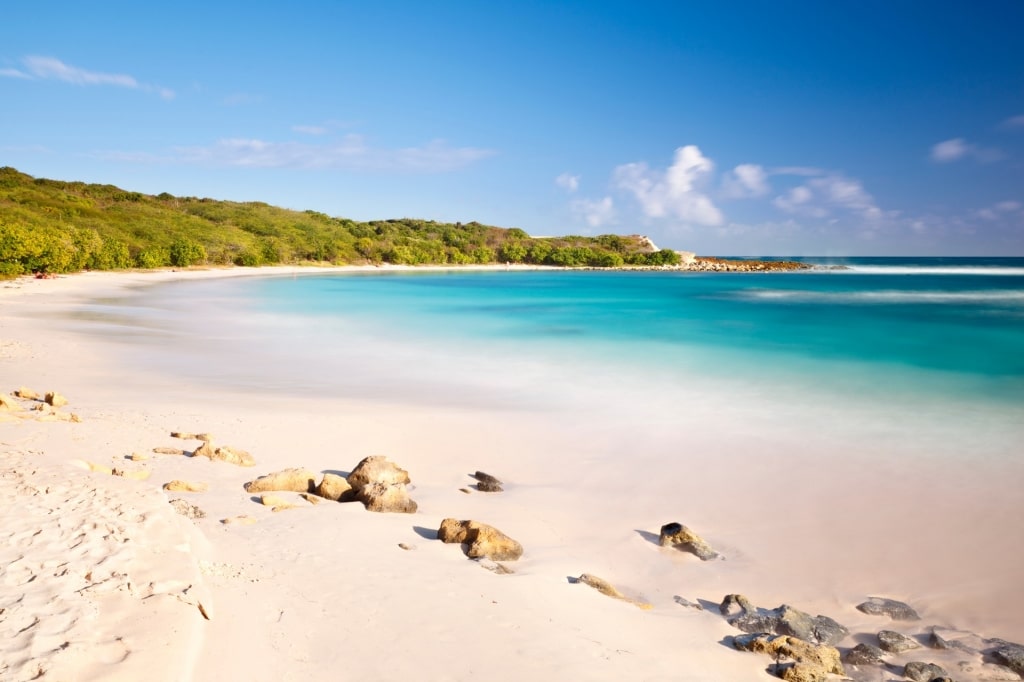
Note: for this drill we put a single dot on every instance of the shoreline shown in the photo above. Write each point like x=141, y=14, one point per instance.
x=290, y=584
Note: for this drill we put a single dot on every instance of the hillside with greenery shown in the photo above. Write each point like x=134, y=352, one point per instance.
x=51, y=226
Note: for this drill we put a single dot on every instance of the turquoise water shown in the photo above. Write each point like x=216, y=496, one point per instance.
x=924, y=325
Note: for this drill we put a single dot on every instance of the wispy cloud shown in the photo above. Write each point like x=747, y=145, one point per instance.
x=675, y=191
x=351, y=153
x=746, y=181
x=568, y=182
x=595, y=212
x=50, y=68
x=1013, y=123
x=823, y=196
x=958, y=148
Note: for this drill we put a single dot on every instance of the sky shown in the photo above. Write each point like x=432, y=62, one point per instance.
x=741, y=128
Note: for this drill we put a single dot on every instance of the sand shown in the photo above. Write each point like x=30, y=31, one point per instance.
x=103, y=580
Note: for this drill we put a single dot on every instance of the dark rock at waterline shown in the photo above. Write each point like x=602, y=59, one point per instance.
x=879, y=606
x=896, y=642
x=1011, y=655
x=679, y=536
x=864, y=654
x=683, y=601
x=735, y=600
x=919, y=671
x=947, y=638
x=785, y=620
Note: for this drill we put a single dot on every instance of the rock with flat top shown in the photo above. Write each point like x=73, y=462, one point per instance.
x=811, y=662
x=480, y=540
x=231, y=455
x=679, y=536
x=896, y=642
x=919, y=671
x=296, y=480
x=880, y=606
x=377, y=469
x=380, y=484
x=335, y=487
x=786, y=620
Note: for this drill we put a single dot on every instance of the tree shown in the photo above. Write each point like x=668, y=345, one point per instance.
x=185, y=252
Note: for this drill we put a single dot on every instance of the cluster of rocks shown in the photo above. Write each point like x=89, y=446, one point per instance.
x=708, y=264
x=24, y=403
x=207, y=449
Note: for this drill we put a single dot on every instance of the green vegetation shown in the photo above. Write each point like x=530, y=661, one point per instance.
x=49, y=226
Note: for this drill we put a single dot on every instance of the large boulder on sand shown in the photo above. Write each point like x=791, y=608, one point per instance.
x=679, y=536
x=335, y=487
x=812, y=662
x=297, y=480
x=920, y=671
x=880, y=606
x=380, y=485
x=480, y=540
x=896, y=642
x=224, y=454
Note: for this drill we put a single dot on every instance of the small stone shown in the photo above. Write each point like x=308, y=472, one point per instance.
x=864, y=654
x=606, y=588
x=189, y=511
x=682, y=601
x=896, y=642
x=406, y=547
x=482, y=540
x=487, y=483
x=679, y=536
x=168, y=451
x=311, y=498
x=138, y=457
x=466, y=490
x=273, y=501
x=879, y=606
x=736, y=600
x=486, y=478
x=55, y=399
x=335, y=487
x=919, y=671
x=183, y=435
x=179, y=486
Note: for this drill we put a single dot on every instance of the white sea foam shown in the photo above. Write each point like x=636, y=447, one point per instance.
x=932, y=270
x=893, y=296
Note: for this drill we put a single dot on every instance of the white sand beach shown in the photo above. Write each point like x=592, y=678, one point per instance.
x=103, y=580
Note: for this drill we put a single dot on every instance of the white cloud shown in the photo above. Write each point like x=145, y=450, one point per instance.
x=352, y=153
x=820, y=197
x=1015, y=122
x=569, y=183
x=950, y=150
x=999, y=209
x=50, y=68
x=746, y=181
x=596, y=212
x=674, y=192
x=310, y=130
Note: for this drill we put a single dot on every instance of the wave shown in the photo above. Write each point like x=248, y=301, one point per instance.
x=1013, y=297
x=994, y=270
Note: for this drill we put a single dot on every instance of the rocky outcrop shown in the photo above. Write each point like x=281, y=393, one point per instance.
x=919, y=671
x=880, y=606
x=296, y=480
x=810, y=662
x=679, y=536
x=785, y=620
x=606, y=588
x=380, y=485
x=1010, y=655
x=487, y=483
x=896, y=642
x=335, y=487
x=479, y=540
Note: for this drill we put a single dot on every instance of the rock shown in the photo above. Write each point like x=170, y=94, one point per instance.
x=231, y=455
x=274, y=501
x=138, y=457
x=482, y=540
x=205, y=437
x=406, y=546
x=169, y=451
x=896, y=642
x=7, y=404
x=187, y=510
x=786, y=620
x=737, y=600
x=682, y=601
x=919, y=671
x=879, y=606
x=812, y=662
x=487, y=483
x=179, y=486
x=864, y=654
x=296, y=480
x=377, y=469
x=1011, y=655
x=311, y=498
x=55, y=399
x=606, y=588
x=243, y=520
x=205, y=450
x=380, y=485
x=137, y=475
x=949, y=639
x=679, y=536
x=26, y=394
x=379, y=497
x=466, y=490
x=335, y=487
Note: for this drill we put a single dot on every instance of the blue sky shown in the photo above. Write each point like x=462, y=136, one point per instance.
x=773, y=128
